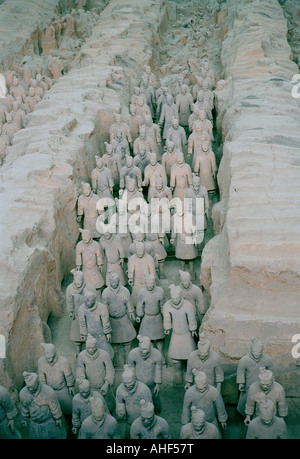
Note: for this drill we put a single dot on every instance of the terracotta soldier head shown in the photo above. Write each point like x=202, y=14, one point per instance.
x=32, y=381
x=198, y=419
x=99, y=162
x=87, y=189
x=175, y=123
x=153, y=159
x=78, y=278
x=140, y=249
x=203, y=347
x=267, y=410
x=200, y=380
x=84, y=387
x=147, y=413
x=129, y=378
x=144, y=346
x=149, y=282
x=86, y=235
x=175, y=293
x=91, y=345
x=90, y=299
x=97, y=408
x=114, y=279
x=108, y=148
x=185, y=278
x=256, y=349
x=266, y=379
x=49, y=351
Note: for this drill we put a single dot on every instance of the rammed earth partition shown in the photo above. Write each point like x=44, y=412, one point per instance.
x=251, y=268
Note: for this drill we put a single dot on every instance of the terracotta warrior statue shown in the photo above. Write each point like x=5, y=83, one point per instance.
x=206, y=167
x=267, y=385
x=10, y=128
x=55, y=371
x=153, y=170
x=102, y=181
x=148, y=91
x=99, y=425
x=206, y=397
x=195, y=193
x=89, y=257
x=195, y=141
x=132, y=171
x=18, y=115
x=112, y=160
x=149, y=425
x=95, y=365
x=139, y=264
x=179, y=316
x=147, y=363
x=181, y=177
x=207, y=360
x=248, y=370
x=184, y=101
x=48, y=39
x=153, y=131
x=81, y=407
x=120, y=145
x=40, y=406
x=177, y=135
x=142, y=108
x=184, y=237
x=4, y=144
x=142, y=158
x=199, y=428
x=74, y=298
x=143, y=140
x=128, y=396
x=121, y=316
x=134, y=122
x=120, y=125
x=87, y=208
x=113, y=251
x=193, y=294
x=169, y=158
x=267, y=426
x=94, y=321
x=8, y=413
x=168, y=112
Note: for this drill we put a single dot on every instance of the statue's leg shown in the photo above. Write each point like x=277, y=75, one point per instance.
x=127, y=348
x=160, y=343
x=178, y=372
x=192, y=273
x=161, y=269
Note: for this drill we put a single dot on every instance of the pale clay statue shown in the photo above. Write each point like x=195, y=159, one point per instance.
x=206, y=397
x=128, y=396
x=139, y=264
x=94, y=321
x=176, y=134
x=87, y=209
x=121, y=315
x=193, y=294
x=81, y=407
x=147, y=363
x=95, y=365
x=272, y=389
x=74, y=298
x=89, y=257
x=248, y=370
x=134, y=122
x=184, y=101
x=40, y=406
x=179, y=316
x=199, y=428
x=55, y=371
x=113, y=251
x=8, y=413
x=206, y=167
x=207, y=360
x=168, y=112
x=267, y=426
x=143, y=140
x=181, y=177
x=100, y=425
x=149, y=426
x=102, y=181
